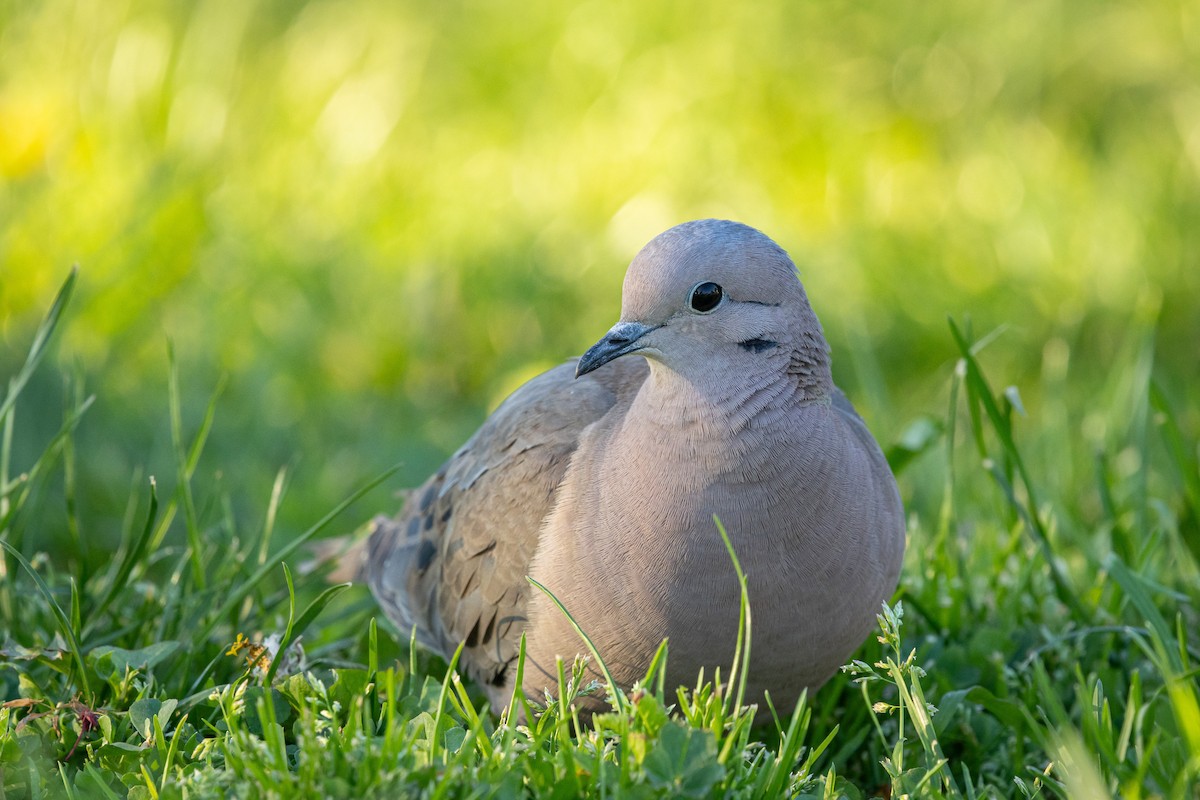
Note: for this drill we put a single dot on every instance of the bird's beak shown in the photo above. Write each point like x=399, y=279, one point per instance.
x=622, y=339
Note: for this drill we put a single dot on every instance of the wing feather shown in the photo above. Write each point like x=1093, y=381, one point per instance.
x=453, y=563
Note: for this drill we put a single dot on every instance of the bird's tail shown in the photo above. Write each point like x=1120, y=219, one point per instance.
x=378, y=554
x=391, y=566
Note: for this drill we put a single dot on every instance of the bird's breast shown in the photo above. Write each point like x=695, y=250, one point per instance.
x=634, y=552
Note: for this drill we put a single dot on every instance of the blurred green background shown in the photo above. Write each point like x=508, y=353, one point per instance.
x=377, y=218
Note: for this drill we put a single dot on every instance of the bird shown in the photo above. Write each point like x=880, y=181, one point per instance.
x=711, y=398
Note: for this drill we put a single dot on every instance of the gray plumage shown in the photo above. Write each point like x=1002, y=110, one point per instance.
x=603, y=488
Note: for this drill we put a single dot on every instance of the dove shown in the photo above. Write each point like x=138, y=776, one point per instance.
x=711, y=396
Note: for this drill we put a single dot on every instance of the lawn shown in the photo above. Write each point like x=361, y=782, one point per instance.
x=317, y=242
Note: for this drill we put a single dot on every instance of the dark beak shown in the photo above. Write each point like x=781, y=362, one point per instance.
x=622, y=339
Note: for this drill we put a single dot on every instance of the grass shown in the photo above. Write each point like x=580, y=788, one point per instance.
x=1042, y=644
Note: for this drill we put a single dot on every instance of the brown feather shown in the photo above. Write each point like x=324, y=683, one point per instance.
x=477, y=519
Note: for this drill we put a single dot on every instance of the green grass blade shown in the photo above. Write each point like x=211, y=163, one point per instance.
x=41, y=340
x=79, y=543
x=518, y=695
x=618, y=696
x=980, y=392
x=741, y=653
x=183, y=474
x=656, y=672
x=372, y=649
x=287, y=631
x=10, y=507
x=189, y=461
x=64, y=622
x=439, y=715
x=42, y=466
x=1186, y=465
x=302, y=623
x=243, y=590
x=135, y=554
x=6, y=441
x=1134, y=588
x=268, y=528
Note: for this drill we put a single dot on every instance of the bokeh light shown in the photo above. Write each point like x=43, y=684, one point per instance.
x=377, y=218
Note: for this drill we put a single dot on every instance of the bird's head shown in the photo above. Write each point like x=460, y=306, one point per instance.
x=711, y=296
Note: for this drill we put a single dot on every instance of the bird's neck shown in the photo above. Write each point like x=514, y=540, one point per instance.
x=715, y=401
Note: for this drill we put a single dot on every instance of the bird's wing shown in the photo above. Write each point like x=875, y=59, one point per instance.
x=453, y=563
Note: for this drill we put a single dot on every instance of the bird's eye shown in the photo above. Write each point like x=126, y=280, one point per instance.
x=705, y=297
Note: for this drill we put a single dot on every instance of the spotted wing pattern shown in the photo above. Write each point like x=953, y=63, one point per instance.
x=453, y=563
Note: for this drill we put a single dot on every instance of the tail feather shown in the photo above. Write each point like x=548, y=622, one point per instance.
x=378, y=555
x=387, y=567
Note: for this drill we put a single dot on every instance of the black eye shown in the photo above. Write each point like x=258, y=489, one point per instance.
x=705, y=297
